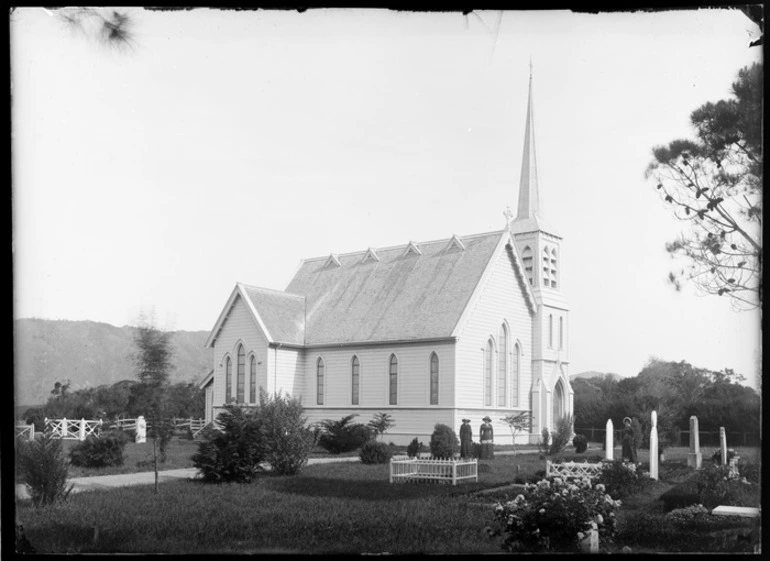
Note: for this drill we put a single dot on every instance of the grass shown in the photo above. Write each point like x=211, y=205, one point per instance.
x=329, y=508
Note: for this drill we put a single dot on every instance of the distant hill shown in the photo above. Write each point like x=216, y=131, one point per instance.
x=593, y=374
x=90, y=353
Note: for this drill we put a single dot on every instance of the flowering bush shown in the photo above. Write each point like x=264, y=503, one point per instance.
x=555, y=516
x=622, y=478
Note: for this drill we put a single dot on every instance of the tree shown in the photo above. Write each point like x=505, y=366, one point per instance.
x=153, y=361
x=714, y=184
x=518, y=422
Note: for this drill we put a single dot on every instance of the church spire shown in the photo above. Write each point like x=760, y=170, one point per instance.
x=529, y=197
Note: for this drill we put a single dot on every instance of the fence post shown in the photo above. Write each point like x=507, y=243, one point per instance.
x=63, y=428
x=391, y=470
x=454, y=473
x=82, y=431
x=32, y=431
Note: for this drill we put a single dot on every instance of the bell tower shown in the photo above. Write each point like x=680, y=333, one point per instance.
x=540, y=248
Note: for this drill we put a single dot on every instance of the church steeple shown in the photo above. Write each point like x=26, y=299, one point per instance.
x=529, y=197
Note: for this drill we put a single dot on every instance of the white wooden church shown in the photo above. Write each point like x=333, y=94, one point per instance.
x=429, y=332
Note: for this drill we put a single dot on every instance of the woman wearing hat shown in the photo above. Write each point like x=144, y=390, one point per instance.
x=466, y=439
x=487, y=437
x=629, y=442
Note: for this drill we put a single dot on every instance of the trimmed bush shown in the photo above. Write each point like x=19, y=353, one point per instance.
x=232, y=454
x=287, y=440
x=43, y=468
x=343, y=436
x=98, y=452
x=580, y=443
x=444, y=442
x=374, y=452
x=414, y=448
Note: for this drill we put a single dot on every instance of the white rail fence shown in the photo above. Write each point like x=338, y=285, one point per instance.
x=403, y=468
x=25, y=431
x=73, y=429
x=573, y=470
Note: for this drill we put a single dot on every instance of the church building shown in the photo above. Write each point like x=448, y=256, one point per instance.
x=428, y=332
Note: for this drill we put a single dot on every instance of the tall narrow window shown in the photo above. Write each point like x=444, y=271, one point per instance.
x=355, y=371
x=319, y=378
x=434, y=379
x=393, y=379
x=526, y=257
x=253, y=380
x=561, y=332
x=241, y=374
x=228, y=379
x=488, y=369
x=502, y=366
x=550, y=331
x=546, y=267
x=515, y=376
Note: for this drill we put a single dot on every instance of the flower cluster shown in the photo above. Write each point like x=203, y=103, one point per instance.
x=687, y=513
x=556, y=516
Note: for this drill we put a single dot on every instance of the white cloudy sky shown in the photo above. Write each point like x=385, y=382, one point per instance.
x=227, y=146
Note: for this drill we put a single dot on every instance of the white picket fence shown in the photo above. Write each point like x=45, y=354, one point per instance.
x=404, y=468
x=27, y=431
x=572, y=470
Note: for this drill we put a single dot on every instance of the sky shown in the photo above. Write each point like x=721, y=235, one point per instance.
x=225, y=147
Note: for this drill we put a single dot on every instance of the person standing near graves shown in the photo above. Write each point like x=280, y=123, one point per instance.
x=466, y=439
x=487, y=437
x=629, y=442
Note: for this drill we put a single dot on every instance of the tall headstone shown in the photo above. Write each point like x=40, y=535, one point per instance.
x=654, y=446
x=609, y=444
x=694, y=458
x=723, y=445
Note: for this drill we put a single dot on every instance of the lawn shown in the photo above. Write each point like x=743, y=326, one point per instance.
x=329, y=508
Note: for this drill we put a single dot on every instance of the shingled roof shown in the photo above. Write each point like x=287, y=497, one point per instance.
x=399, y=295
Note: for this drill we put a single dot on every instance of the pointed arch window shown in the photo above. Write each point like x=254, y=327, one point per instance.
x=434, y=379
x=526, y=257
x=319, y=380
x=502, y=367
x=393, y=380
x=550, y=331
x=515, y=371
x=241, y=381
x=355, y=380
x=253, y=379
x=558, y=402
x=489, y=357
x=228, y=379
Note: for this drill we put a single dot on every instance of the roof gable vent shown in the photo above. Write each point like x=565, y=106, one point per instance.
x=332, y=261
x=370, y=255
x=412, y=249
x=455, y=244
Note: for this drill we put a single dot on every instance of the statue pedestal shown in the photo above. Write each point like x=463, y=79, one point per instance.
x=694, y=460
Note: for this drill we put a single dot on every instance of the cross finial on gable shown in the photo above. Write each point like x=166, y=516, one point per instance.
x=508, y=213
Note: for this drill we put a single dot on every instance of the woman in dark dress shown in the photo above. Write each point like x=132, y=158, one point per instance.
x=628, y=440
x=466, y=439
x=487, y=437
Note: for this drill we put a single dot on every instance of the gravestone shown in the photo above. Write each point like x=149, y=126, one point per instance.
x=694, y=458
x=590, y=543
x=723, y=445
x=609, y=444
x=654, y=446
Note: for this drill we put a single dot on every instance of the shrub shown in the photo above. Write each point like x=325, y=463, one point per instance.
x=287, y=441
x=43, y=468
x=444, y=442
x=545, y=442
x=561, y=436
x=343, y=436
x=380, y=423
x=414, y=448
x=374, y=452
x=232, y=454
x=102, y=451
x=749, y=470
x=555, y=517
x=581, y=443
x=622, y=479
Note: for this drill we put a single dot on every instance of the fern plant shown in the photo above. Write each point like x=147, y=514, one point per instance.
x=43, y=468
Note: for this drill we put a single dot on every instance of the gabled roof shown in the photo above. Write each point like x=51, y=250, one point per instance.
x=400, y=297
x=208, y=379
x=280, y=315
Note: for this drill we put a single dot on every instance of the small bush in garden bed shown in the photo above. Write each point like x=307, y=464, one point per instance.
x=102, y=451
x=749, y=470
x=622, y=479
x=43, y=468
x=555, y=516
x=444, y=442
x=374, y=452
x=580, y=443
x=342, y=435
x=414, y=448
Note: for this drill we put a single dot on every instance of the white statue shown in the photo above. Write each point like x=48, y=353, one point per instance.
x=141, y=430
